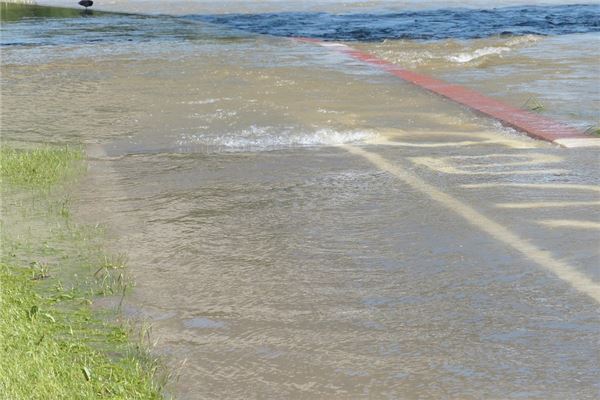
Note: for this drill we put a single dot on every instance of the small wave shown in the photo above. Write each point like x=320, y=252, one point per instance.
x=258, y=138
x=525, y=39
x=205, y=101
x=470, y=56
x=442, y=54
x=433, y=24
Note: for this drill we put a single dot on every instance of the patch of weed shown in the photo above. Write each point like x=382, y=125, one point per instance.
x=534, y=104
x=41, y=167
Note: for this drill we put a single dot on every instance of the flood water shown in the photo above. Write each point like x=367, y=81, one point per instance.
x=302, y=225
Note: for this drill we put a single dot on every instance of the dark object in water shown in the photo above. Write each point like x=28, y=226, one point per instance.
x=86, y=3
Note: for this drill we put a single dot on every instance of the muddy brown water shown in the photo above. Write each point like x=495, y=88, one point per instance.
x=279, y=206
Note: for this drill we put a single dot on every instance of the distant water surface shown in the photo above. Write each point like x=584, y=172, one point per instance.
x=455, y=23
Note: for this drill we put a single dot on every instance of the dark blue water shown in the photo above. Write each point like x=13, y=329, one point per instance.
x=431, y=24
x=35, y=26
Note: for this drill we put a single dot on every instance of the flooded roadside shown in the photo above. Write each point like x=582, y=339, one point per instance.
x=279, y=264
x=555, y=76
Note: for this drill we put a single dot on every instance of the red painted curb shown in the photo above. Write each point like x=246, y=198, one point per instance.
x=532, y=124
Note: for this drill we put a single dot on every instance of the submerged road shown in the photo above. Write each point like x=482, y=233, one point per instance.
x=419, y=268
x=302, y=225
x=543, y=258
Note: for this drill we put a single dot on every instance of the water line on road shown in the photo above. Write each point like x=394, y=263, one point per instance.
x=568, y=223
x=540, y=204
x=563, y=186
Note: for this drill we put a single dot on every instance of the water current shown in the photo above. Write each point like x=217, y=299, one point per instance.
x=246, y=176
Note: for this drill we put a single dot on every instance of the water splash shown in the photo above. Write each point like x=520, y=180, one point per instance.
x=261, y=138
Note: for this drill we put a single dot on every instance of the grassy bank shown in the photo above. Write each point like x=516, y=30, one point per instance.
x=53, y=345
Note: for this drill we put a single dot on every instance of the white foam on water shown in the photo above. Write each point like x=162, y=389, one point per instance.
x=259, y=138
x=205, y=101
x=470, y=56
x=525, y=39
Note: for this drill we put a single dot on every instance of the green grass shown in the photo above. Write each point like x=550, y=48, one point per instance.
x=16, y=10
x=53, y=344
x=39, y=168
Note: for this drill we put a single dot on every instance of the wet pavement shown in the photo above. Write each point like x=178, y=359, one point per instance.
x=301, y=225
x=303, y=274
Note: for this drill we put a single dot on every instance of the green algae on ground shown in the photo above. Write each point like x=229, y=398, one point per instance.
x=52, y=344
